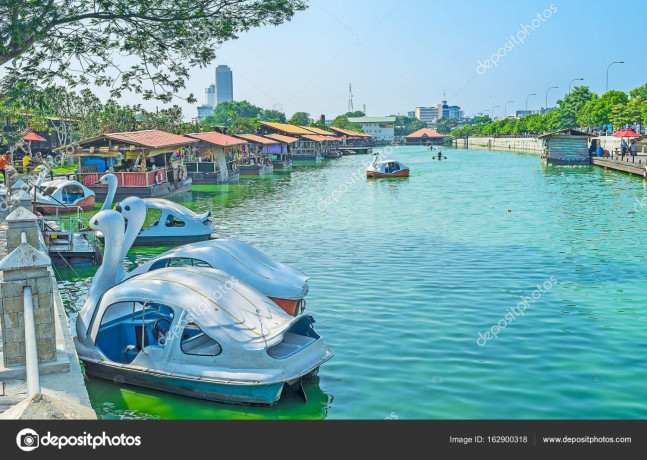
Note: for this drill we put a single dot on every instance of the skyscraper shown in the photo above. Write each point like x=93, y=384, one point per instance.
x=210, y=93
x=224, y=84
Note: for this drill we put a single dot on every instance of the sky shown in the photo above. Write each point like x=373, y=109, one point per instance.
x=400, y=54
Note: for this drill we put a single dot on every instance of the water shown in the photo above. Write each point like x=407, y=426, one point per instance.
x=406, y=273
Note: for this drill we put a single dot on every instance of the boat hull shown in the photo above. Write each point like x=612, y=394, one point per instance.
x=231, y=393
x=165, y=240
x=291, y=307
x=86, y=204
x=378, y=175
x=153, y=191
x=201, y=178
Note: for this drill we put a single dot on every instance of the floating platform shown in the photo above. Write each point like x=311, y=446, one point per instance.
x=151, y=191
x=633, y=165
x=255, y=170
x=353, y=150
x=282, y=166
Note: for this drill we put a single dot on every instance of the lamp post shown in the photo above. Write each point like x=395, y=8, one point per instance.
x=495, y=107
x=608, y=67
x=505, y=108
x=532, y=94
x=569, y=85
x=552, y=87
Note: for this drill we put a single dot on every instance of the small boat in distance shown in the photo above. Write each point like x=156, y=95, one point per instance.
x=386, y=168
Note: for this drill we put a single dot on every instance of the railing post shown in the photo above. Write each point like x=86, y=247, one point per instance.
x=31, y=350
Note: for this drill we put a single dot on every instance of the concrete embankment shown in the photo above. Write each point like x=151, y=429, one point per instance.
x=517, y=144
x=40, y=374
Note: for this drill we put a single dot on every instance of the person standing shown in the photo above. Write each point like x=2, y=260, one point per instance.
x=4, y=161
x=633, y=148
x=623, y=148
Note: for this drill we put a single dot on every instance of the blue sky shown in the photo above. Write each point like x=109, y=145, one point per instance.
x=401, y=54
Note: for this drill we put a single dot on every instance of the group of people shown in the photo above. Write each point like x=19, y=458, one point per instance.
x=596, y=148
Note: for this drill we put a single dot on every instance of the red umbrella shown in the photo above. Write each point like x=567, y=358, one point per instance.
x=626, y=133
x=32, y=136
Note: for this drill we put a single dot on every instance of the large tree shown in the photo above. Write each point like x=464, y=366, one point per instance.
x=445, y=125
x=300, y=119
x=407, y=125
x=227, y=112
x=144, y=46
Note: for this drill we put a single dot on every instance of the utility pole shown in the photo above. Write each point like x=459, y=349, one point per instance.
x=350, y=98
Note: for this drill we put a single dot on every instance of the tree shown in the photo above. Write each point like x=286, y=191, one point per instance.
x=342, y=122
x=300, y=119
x=225, y=113
x=244, y=126
x=407, y=125
x=641, y=91
x=628, y=113
x=445, y=125
x=83, y=43
x=569, y=107
x=273, y=116
x=597, y=111
x=355, y=114
x=319, y=124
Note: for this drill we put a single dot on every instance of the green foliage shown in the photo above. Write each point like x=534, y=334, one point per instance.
x=244, y=126
x=300, y=119
x=641, y=91
x=597, y=111
x=273, y=116
x=319, y=124
x=342, y=122
x=626, y=114
x=445, y=125
x=135, y=45
x=407, y=125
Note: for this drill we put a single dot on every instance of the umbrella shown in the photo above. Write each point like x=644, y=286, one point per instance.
x=32, y=136
x=626, y=133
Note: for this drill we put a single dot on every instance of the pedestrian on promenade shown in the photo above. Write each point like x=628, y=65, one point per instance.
x=600, y=150
x=623, y=148
x=4, y=161
x=633, y=148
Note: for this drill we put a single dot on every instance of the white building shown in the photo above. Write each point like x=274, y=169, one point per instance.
x=381, y=128
x=428, y=115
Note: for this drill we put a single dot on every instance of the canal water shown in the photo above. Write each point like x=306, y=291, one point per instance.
x=418, y=285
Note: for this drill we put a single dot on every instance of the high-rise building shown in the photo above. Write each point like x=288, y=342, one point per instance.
x=210, y=95
x=426, y=114
x=224, y=84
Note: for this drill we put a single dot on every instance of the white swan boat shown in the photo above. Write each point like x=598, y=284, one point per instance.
x=285, y=285
x=175, y=224
x=61, y=195
x=193, y=331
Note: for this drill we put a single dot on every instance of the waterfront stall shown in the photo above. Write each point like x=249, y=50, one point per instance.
x=566, y=147
x=326, y=146
x=256, y=159
x=147, y=164
x=352, y=141
x=304, y=149
x=281, y=153
x=215, y=158
x=424, y=136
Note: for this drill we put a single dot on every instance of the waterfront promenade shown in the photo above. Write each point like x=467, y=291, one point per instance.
x=60, y=382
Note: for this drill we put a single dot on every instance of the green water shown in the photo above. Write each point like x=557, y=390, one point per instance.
x=406, y=273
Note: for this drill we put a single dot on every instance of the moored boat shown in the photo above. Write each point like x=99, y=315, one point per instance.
x=61, y=196
x=193, y=331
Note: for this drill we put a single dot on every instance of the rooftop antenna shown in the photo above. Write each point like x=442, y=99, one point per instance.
x=364, y=109
x=350, y=98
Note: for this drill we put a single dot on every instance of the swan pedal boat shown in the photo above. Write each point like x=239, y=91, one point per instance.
x=192, y=331
x=176, y=225
x=284, y=285
x=61, y=195
x=387, y=168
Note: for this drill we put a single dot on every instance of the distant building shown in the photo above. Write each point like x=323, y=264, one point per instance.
x=431, y=115
x=424, y=136
x=204, y=111
x=224, y=84
x=523, y=113
x=381, y=128
x=411, y=114
x=210, y=95
x=428, y=115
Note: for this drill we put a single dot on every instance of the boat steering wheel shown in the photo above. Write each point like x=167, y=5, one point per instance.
x=160, y=332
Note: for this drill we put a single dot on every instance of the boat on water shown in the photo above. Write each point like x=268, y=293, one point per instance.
x=386, y=168
x=60, y=196
x=191, y=331
x=172, y=224
x=284, y=285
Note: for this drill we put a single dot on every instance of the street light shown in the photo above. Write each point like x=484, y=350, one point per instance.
x=533, y=94
x=495, y=107
x=552, y=87
x=569, y=85
x=505, y=108
x=615, y=62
